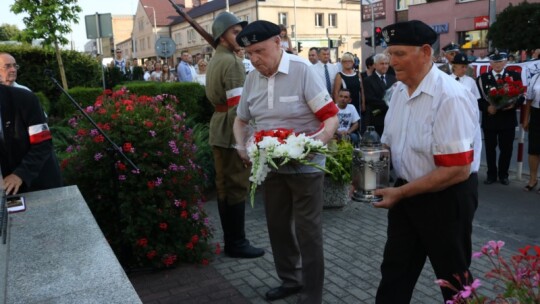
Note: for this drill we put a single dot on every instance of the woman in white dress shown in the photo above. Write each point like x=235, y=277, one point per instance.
x=201, y=76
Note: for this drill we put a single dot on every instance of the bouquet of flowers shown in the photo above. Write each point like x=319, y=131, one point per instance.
x=505, y=92
x=276, y=148
x=520, y=276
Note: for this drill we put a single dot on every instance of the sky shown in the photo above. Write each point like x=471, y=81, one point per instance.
x=89, y=7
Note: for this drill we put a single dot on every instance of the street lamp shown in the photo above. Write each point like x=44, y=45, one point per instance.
x=155, y=27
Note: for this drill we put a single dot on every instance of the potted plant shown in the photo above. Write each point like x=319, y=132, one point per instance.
x=338, y=181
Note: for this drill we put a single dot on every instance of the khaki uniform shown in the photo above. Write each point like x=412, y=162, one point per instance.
x=224, y=82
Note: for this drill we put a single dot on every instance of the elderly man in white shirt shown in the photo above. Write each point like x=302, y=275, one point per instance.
x=8, y=71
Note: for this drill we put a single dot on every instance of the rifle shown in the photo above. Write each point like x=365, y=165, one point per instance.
x=194, y=24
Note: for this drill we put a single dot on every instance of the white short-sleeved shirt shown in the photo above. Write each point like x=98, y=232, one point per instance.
x=347, y=117
x=293, y=98
x=438, y=125
x=533, y=91
x=470, y=84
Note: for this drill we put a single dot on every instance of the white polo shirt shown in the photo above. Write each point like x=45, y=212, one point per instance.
x=533, y=91
x=293, y=98
x=436, y=126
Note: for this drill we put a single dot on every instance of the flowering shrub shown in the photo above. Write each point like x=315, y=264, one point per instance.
x=520, y=276
x=505, y=92
x=153, y=216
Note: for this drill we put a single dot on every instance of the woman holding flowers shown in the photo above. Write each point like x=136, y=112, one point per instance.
x=284, y=93
x=532, y=125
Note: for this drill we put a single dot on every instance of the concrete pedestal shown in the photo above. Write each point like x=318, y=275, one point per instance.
x=58, y=254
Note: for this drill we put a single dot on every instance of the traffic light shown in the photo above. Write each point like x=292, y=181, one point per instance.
x=378, y=36
x=368, y=41
x=299, y=47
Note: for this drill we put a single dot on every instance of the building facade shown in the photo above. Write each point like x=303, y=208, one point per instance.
x=465, y=22
x=311, y=22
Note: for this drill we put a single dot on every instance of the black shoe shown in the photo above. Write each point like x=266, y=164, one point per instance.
x=281, y=292
x=489, y=181
x=505, y=181
x=244, y=252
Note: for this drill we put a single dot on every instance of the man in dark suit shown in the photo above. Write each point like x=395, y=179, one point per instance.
x=375, y=87
x=26, y=151
x=499, y=123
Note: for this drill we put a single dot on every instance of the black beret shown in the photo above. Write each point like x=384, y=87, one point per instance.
x=414, y=32
x=451, y=47
x=500, y=56
x=461, y=59
x=257, y=31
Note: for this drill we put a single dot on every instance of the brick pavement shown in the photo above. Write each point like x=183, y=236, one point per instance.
x=354, y=238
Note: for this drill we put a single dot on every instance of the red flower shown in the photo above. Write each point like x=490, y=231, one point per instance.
x=115, y=116
x=195, y=239
x=148, y=124
x=151, y=185
x=163, y=226
x=120, y=166
x=82, y=132
x=151, y=254
x=218, y=249
x=142, y=242
x=184, y=214
x=108, y=92
x=169, y=260
x=64, y=163
x=130, y=108
x=98, y=138
x=204, y=233
x=189, y=246
x=183, y=204
x=127, y=147
x=204, y=262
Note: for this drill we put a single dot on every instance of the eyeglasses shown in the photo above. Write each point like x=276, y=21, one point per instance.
x=9, y=66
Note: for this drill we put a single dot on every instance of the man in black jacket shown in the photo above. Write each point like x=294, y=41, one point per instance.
x=27, y=156
x=375, y=87
x=499, y=123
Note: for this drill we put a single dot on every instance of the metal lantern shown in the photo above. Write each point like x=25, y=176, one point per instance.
x=370, y=167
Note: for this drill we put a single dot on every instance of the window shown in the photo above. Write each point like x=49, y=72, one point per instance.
x=148, y=43
x=319, y=20
x=401, y=5
x=282, y=18
x=207, y=30
x=141, y=24
x=178, y=38
x=191, y=35
x=332, y=20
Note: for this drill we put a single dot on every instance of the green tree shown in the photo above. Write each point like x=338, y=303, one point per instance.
x=49, y=20
x=516, y=27
x=9, y=32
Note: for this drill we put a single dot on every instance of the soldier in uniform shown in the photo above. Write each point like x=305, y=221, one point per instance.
x=224, y=81
x=499, y=125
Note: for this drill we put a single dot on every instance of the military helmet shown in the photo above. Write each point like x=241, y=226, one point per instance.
x=224, y=21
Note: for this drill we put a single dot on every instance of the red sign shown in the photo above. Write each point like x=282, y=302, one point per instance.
x=481, y=22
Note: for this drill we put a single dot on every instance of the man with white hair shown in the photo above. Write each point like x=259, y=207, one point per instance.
x=284, y=92
x=8, y=71
x=375, y=87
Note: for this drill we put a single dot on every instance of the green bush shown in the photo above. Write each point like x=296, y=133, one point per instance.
x=44, y=101
x=191, y=96
x=81, y=69
x=83, y=96
x=156, y=212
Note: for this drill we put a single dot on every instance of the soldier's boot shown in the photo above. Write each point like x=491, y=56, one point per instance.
x=236, y=244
